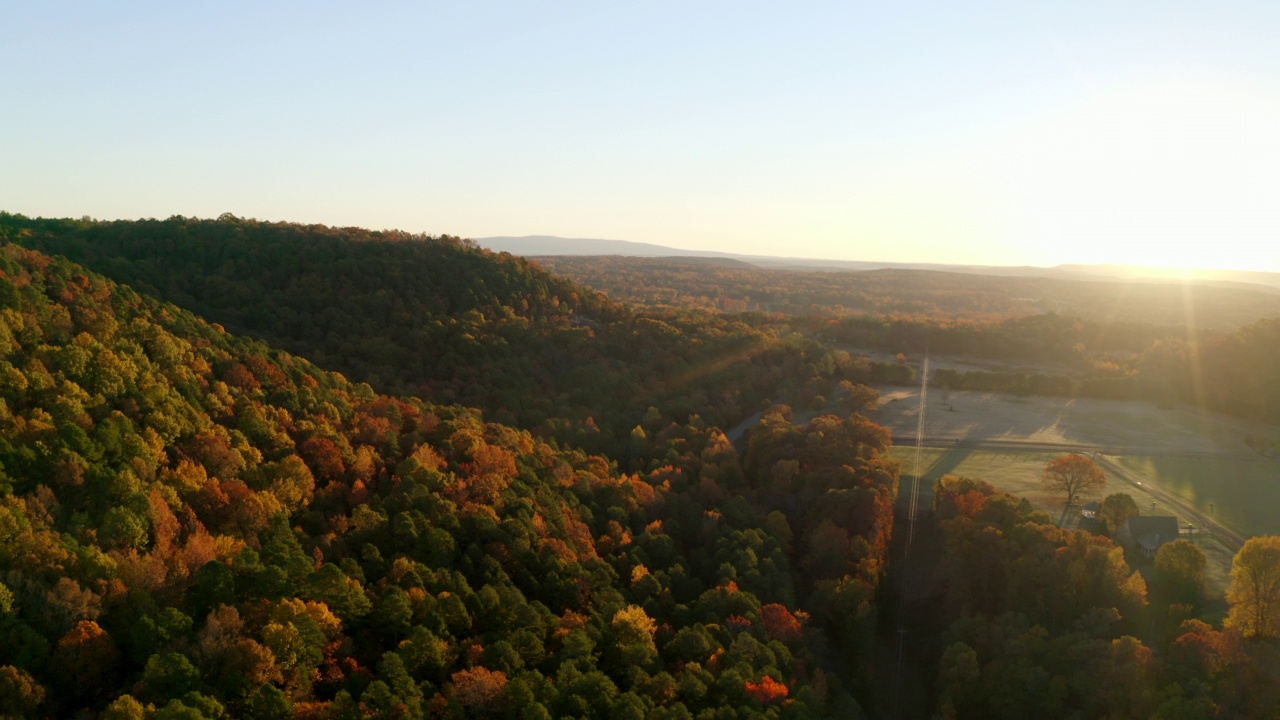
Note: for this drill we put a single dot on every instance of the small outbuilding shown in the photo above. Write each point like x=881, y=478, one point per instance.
x=1089, y=509
x=1146, y=533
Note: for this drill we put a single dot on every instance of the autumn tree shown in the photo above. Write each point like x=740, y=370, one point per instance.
x=7, y=602
x=85, y=660
x=1073, y=475
x=1180, y=566
x=767, y=691
x=634, y=630
x=779, y=623
x=1255, y=588
x=125, y=707
x=1128, y=669
x=20, y=693
x=1116, y=508
x=479, y=689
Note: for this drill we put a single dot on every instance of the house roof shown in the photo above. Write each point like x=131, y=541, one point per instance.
x=1152, y=531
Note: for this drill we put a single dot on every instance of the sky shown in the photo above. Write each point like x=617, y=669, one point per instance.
x=993, y=133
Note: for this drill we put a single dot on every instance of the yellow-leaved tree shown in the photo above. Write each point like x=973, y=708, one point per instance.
x=1255, y=588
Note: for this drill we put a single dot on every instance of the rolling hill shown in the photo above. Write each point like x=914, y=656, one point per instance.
x=533, y=246
x=439, y=318
x=197, y=525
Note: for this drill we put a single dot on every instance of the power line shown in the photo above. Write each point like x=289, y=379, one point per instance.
x=914, y=506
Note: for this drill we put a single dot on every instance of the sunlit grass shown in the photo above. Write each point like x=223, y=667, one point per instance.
x=1243, y=494
x=1017, y=473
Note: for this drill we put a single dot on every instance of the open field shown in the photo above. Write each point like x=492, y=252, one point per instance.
x=1017, y=472
x=1242, y=494
x=1119, y=426
x=963, y=364
x=1014, y=472
x=1192, y=464
x=1199, y=459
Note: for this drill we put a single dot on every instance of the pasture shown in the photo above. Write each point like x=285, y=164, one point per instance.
x=1121, y=426
x=1014, y=472
x=1243, y=494
x=1017, y=472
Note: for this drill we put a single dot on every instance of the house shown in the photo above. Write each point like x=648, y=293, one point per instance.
x=1090, y=509
x=1146, y=533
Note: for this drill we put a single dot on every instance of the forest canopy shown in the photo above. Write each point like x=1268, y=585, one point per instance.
x=198, y=525
x=522, y=499
x=438, y=318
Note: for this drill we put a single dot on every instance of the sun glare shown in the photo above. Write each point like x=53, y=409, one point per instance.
x=1178, y=174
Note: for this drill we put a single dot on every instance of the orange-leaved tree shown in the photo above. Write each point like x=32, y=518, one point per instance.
x=1074, y=474
x=766, y=691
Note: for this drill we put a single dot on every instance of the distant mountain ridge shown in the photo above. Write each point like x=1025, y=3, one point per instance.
x=533, y=245
x=543, y=245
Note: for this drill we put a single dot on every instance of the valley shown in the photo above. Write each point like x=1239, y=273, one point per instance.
x=329, y=472
x=324, y=394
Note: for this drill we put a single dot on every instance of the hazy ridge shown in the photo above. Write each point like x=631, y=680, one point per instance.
x=539, y=245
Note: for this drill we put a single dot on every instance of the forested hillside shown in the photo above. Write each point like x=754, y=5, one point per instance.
x=439, y=318
x=194, y=525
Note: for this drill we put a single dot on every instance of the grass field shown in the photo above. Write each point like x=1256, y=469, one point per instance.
x=1243, y=494
x=1017, y=473
x=1198, y=459
x=1247, y=501
x=1138, y=428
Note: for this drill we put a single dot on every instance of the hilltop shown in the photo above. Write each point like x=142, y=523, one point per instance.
x=439, y=318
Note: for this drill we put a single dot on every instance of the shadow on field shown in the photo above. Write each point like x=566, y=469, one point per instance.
x=948, y=461
x=945, y=463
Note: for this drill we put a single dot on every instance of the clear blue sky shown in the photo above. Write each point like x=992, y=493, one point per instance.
x=1005, y=133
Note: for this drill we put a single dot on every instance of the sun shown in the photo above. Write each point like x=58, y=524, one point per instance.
x=1181, y=173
